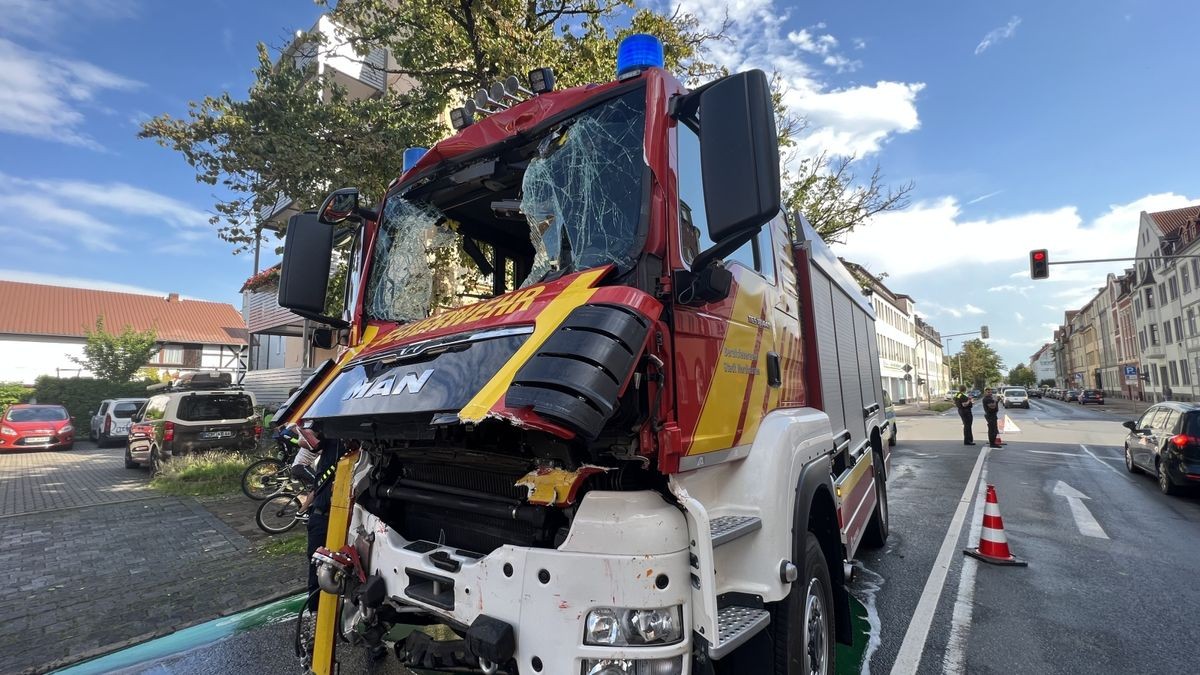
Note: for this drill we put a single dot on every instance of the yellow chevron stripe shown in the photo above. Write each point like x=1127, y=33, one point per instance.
x=339, y=523
x=547, y=321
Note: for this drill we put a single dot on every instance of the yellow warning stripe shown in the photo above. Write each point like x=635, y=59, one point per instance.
x=297, y=412
x=335, y=539
x=547, y=321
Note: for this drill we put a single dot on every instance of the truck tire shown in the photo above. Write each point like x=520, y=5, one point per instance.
x=876, y=533
x=804, y=621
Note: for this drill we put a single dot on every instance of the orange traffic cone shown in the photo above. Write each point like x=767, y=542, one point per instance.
x=993, y=545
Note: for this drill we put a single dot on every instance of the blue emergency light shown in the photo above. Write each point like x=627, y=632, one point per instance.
x=638, y=51
x=411, y=157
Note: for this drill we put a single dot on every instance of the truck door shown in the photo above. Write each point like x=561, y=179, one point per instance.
x=722, y=348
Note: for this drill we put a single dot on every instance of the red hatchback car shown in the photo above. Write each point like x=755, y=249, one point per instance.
x=36, y=427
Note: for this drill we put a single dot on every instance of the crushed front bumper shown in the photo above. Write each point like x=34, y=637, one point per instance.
x=625, y=550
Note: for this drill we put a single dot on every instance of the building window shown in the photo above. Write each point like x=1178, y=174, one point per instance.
x=1153, y=333
x=1173, y=284
x=1191, y=321
x=1137, y=307
x=1150, y=298
x=1187, y=279
x=1178, y=328
x=1162, y=292
x=1183, y=371
x=1153, y=376
x=170, y=355
x=1167, y=332
x=1174, y=374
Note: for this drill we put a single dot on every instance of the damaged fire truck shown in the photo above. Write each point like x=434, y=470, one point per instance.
x=639, y=432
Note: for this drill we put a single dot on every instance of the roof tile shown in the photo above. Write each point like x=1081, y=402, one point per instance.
x=36, y=309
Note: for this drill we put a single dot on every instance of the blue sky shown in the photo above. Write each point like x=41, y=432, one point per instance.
x=1023, y=124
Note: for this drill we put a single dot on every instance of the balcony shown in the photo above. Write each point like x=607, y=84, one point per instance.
x=264, y=316
x=271, y=387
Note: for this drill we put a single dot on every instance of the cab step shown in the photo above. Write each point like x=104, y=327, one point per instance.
x=725, y=529
x=736, y=625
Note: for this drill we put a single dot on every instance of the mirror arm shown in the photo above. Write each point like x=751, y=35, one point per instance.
x=329, y=320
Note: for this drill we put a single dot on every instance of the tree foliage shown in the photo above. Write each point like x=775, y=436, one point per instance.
x=1021, y=376
x=13, y=392
x=298, y=134
x=1048, y=382
x=116, y=357
x=980, y=364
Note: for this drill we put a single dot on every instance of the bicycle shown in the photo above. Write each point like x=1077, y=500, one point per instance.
x=280, y=512
x=269, y=475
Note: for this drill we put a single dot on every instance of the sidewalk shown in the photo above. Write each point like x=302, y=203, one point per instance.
x=911, y=410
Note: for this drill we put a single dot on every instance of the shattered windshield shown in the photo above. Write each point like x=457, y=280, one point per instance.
x=401, y=284
x=582, y=193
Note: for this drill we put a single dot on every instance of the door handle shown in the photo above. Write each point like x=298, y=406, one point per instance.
x=774, y=372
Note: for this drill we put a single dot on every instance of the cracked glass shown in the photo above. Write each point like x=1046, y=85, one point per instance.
x=582, y=193
x=401, y=285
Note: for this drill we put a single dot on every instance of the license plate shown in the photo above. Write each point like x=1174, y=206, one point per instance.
x=216, y=434
x=38, y=439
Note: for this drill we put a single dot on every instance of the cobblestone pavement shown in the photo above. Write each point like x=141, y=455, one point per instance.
x=80, y=579
x=87, y=475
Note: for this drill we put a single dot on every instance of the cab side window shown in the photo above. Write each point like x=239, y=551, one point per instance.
x=755, y=254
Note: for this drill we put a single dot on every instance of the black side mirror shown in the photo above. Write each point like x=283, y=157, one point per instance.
x=304, y=276
x=339, y=206
x=739, y=158
x=326, y=338
x=1130, y=425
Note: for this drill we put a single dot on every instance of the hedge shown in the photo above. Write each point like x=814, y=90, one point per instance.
x=82, y=395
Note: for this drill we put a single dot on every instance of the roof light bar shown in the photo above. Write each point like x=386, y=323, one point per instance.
x=638, y=52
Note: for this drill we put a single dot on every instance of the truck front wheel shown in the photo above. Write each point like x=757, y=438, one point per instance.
x=804, y=621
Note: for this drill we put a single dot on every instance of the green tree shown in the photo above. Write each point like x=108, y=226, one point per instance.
x=116, y=357
x=13, y=392
x=1048, y=382
x=298, y=134
x=1021, y=376
x=981, y=365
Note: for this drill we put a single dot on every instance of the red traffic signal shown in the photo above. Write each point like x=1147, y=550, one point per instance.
x=1039, y=264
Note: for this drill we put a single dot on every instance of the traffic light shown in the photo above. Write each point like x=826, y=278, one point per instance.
x=1039, y=264
x=983, y=332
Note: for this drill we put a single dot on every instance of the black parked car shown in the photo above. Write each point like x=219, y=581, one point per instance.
x=1165, y=442
x=1091, y=396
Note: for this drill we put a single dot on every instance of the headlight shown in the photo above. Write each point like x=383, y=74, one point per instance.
x=619, y=627
x=67, y=429
x=671, y=666
x=8, y=431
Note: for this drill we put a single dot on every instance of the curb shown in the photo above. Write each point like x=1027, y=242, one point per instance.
x=104, y=650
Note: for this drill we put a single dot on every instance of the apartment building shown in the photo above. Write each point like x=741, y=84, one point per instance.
x=1042, y=363
x=896, y=333
x=933, y=375
x=1166, y=302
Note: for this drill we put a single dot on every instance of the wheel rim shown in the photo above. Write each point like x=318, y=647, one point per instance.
x=262, y=481
x=817, y=661
x=279, y=513
x=1128, y=458
x=1163, y=481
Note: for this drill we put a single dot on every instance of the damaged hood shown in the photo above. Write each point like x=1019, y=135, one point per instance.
x=513, y=357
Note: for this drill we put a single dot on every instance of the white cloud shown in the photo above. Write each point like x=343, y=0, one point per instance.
x=45, y=95
x=73, y=210
x=931, y=236
x=973, y=310
x=850, y=120
x=859, y=43
x=36, y=18
x=997, y=35
x=927, y=308
x=1011, y=288
x=74, y=282
x=1020, y=317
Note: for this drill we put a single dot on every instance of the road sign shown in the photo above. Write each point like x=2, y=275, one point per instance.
x=1131, y=374
x=1079, y=377
x=907, y=368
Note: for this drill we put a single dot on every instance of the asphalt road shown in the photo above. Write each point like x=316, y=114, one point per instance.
x=1112, y=591
x=1109, y=592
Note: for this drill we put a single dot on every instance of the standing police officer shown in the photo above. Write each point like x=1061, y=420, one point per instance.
x=991, y=409
x=964, y=403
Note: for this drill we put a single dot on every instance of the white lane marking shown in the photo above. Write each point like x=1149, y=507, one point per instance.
x=955, y=659
x=913, y=646
x=1060, y=454
x=1102, y=463
x=1084, y=520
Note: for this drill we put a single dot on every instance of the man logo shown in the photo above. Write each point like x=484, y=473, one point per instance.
x=390, y=385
